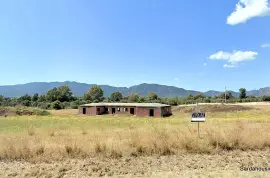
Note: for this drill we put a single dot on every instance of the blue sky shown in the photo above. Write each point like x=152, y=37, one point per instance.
x=193, y=44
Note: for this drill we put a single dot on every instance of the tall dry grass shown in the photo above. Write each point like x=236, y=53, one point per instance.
x=238, y=135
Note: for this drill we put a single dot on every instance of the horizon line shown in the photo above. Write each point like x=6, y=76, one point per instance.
x=121, y=86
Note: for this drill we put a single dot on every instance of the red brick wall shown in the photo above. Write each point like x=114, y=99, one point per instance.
x=157, y=112
x=89, y=110
x=138, y=111
x=144, y=112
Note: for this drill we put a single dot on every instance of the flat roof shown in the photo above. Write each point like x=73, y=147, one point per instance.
x=126, y=104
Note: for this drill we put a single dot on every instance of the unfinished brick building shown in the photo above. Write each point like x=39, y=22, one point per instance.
x=138, y=109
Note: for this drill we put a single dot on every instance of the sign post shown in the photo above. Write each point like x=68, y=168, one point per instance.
x=199, y=129
x=198, y=117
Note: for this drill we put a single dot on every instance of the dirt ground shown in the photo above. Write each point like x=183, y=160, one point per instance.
x=66, y=123
x=226, y=164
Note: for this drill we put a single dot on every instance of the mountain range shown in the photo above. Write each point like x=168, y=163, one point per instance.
x=143, y=89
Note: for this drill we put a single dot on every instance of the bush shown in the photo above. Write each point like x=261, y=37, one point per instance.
x=44, y=105
x=65, y=105
x=42, y=113
x=24, y=111
x=21, y=111
x=207, y=101
x=34, y=104
x=26, y=103
x=266, y=98
x=74, y=105
x=57, y=105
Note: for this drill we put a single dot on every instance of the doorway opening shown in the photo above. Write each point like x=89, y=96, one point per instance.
x=113, y=110
x=84, y=111
x=151, y=112
x=132, y=111
x=98, y=111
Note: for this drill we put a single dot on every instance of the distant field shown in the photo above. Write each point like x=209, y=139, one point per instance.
x=104, y=140
x=69, y=119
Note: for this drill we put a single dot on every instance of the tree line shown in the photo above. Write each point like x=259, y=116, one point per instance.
x=63, y=98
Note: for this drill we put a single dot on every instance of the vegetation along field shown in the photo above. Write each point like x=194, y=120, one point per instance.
x=62, y=143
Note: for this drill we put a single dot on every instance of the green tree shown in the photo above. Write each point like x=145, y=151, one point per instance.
x=95, y=94
x=124, y=100
x=35, y=97
x=1, y=98
x=173, y=101
x=190, y=97
x=25, y=97
x=26, y=103
x=52, y=95
x=228, y=95
x=25, y=100
x=199, y=96
x=133, y=98
x=64, y=93
x=243, y=94
x=152, y=96
x=141, y=100
x=116, y=97
x=42, y=98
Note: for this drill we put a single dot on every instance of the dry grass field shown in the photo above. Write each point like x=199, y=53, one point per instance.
x=65, y=144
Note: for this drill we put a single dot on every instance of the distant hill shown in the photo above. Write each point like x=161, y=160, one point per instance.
x=143, y=89
x=216, y=93
x=160, y=90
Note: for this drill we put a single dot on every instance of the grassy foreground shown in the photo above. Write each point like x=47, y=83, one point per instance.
x=64, y=134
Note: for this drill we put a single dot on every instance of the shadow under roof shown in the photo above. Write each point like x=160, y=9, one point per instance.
x=126, y=104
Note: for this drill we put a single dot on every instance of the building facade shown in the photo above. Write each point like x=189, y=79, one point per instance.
x=137, y=109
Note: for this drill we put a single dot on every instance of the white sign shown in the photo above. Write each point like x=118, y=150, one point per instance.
x=198, y=117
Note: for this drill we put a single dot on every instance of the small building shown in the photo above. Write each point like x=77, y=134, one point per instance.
x=138, y=109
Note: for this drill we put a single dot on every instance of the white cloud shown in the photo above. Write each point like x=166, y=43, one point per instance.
x=266, y=45
x=221, y=55
x=229, y=65
x=234, y=58
x=247, y=9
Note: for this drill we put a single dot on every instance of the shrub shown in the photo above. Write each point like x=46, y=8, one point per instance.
x=57, y=105
x=44, y=105
x=30, y=111
x=266, y=98
x=65, y=105
x=74, y=105
x=26, y=103
x=42, y=113
x=34, y=104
